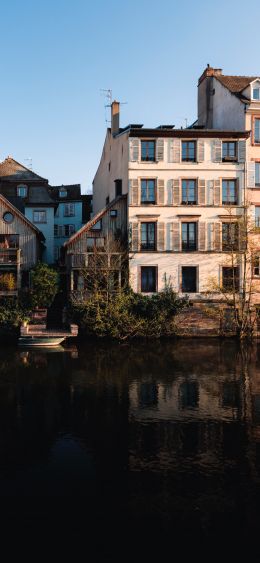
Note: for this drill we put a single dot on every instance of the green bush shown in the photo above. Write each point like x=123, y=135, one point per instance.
x=128, y=315
x=11, y=312
x=45, y=284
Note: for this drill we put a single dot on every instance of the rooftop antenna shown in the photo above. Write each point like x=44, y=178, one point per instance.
x=29, y=160
x=108, y=98
x=107, y=94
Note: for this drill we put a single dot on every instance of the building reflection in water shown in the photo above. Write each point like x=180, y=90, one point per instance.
x=167, y=433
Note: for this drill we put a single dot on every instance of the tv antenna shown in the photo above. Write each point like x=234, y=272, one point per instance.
x=29, y=160
x=107, y=94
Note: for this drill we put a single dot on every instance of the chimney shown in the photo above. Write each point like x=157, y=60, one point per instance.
x=115, y=113
x=210, y=71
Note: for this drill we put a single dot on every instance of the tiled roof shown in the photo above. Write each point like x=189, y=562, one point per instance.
x=37, y=195
x=235, y=83
x=14, y=171
x=73, y=192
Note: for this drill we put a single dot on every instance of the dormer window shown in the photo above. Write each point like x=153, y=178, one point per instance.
x=256, y=93
x=63, y=192
x=22, y=190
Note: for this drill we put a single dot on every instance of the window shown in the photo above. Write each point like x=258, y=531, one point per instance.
x=229, y=192
x=63, y=192
x=69, y=210
x=22, y=190
x=256, y=266
x=8, y=217
x=148, y=279
x=97, y=226
x=148, y=236
x=118, y=188
x=230, y=278
x=188, y=191
x=257, y=173
x=189, y=279
x=257, y=216
x=39, y=217
x=256, y=93
x=147, y=191
x=189, y=236
x=188, y=153
x=9, y=241
x=69, y=230
x=148, y=151
x=95, y=243
x=229, y=151
x=257, y=131
x=229, y=236
x=113, y=213
x=55, y=230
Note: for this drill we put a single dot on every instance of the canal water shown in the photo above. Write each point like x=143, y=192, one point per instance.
x=133, y=451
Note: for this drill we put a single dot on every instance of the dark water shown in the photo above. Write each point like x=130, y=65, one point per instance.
x=131, y=452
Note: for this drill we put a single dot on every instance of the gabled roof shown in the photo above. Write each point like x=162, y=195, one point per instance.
x=235, y=84
x=94, y=220
x=14, y=209
x=15, y=171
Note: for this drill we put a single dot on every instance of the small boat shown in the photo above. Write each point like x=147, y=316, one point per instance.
x=40, y=340
x=39, y=336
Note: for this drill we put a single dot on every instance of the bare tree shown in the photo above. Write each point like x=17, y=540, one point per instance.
x=236, y=289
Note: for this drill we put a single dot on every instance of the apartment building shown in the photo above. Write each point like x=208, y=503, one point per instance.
x=68, y=214
x=233, y=102
x=185, y=198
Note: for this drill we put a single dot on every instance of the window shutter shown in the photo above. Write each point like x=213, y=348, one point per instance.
x=217, y=241
x=176, y=192
x=134, y=236
x=210, y=233
x=216, y=192
x=160, y=149
x=169, y=192
x=176, y=150
x=201, y=192
x=251, y=174
x=217, y=150
x=160, y=192
x=134, y=145
x=134, y=191
x=241, y=151
x=171, y=150
x=160, y=237
x=200, y=151
x=202, y=235
x=168, y=236
x=210, y=192
x=176, y=236
x=138, y=281
x=238, y=192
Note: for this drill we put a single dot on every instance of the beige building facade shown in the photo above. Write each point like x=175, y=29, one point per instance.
x=183, y=194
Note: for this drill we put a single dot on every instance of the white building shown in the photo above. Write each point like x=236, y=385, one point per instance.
x=181, y=185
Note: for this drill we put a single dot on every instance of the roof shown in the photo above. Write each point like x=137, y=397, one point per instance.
x=73, y=192
x=37, y=195
x=21, y=216
x=12, y=170
x=235, y=84
x=188, y=133
x=94, y=220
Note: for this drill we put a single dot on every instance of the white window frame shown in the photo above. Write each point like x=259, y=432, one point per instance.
x=42, y=212
x=22, y=187
x=69, y=210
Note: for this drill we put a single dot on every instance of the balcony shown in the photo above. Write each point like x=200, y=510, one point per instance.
x=10, y=256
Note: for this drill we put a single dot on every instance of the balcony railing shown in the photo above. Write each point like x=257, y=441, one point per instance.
x=10, y=256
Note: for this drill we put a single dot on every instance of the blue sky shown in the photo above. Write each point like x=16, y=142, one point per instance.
x=56, y=55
